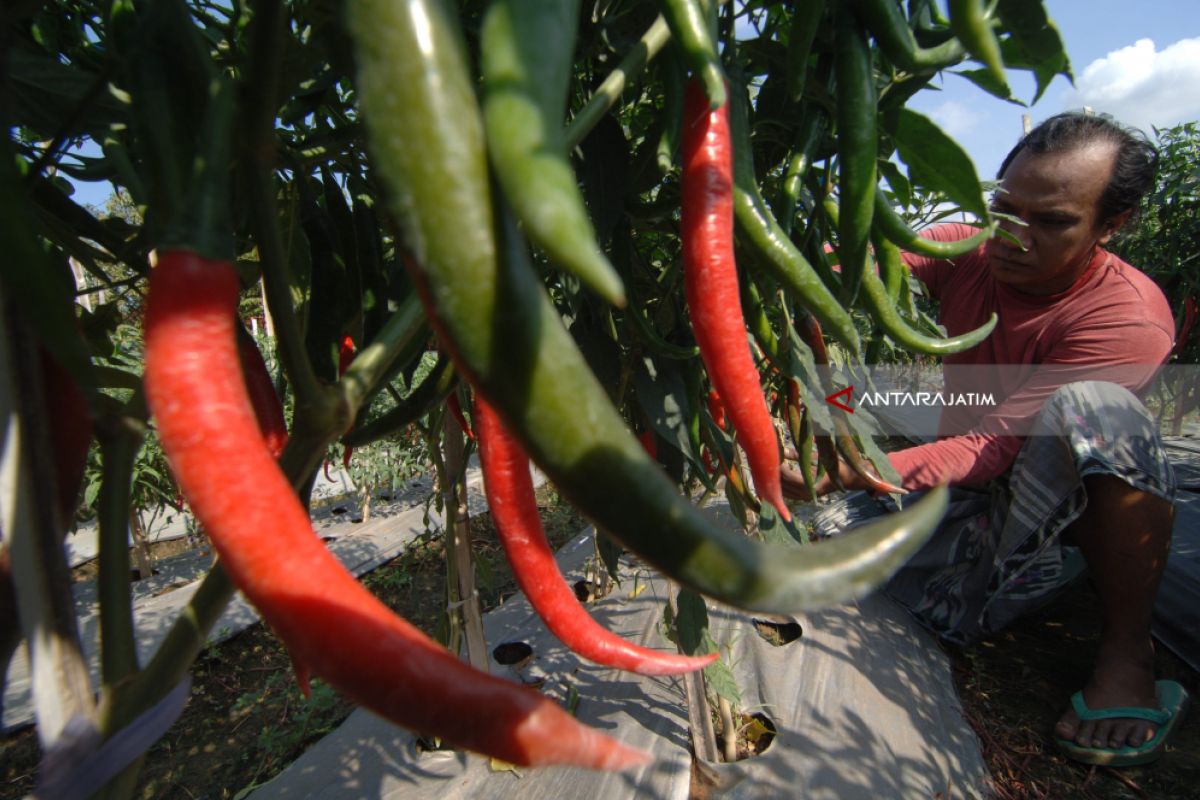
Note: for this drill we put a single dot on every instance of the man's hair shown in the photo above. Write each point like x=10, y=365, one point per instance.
x=1134, y=168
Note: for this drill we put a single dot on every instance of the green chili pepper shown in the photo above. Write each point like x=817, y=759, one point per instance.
x=892, y=270
x=688, y=22
x=760, y=325
x=800, y=428
x=970, y=23
x=857, y=145
x=881, y=306
x=806, y=21
x=507, y=337
x=653, y=340
x=812, y=129
x=527, y=48
x=771, y=244
x=674, y=78
x=885, y=20
x=893, y=226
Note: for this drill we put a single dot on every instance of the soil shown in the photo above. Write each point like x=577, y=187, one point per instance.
x=246, y=721
x=1015, y=686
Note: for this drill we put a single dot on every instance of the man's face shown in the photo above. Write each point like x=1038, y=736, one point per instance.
x=1058, y=196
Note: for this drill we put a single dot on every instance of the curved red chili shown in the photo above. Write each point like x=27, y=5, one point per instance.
x=327, y=619
x=514, y=510
x=711, y=287
x=456, y=410
x=268, y=411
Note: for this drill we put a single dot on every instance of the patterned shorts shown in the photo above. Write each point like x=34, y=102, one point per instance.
x=997, y=554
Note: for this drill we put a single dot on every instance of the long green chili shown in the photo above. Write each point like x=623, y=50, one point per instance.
x=771, y=244
x=857, y=147
x=688, y=22
x=970, y=23
x=507, y=337
x=875, y=298
x=893, y=226
x=527, y=47
x=885, y=20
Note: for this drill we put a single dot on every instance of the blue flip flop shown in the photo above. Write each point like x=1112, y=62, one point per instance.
x=1172, y=701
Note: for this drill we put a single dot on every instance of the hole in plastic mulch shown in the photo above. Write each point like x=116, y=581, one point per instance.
x=512, y=654
x=585, y=591
x=755, y=733
x=778, y=632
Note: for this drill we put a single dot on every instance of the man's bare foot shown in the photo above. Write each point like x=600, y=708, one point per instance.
x=1123, y=676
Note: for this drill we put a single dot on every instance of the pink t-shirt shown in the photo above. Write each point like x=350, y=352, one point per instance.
x=1113, y=315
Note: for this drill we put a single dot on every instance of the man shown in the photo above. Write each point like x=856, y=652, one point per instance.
x=1090, y=474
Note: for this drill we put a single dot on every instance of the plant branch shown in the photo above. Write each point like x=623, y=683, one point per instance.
x=120, y=436
x=29, y=520
x=373, y=361
x=607, y=94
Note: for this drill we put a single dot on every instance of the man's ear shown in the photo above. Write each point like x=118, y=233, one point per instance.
x=1113, y=225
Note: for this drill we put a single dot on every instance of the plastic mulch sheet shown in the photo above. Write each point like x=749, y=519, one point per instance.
x=1177, y=609
x=863, y=703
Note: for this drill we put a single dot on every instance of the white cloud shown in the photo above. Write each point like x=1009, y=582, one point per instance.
x=955, y=118
x=1142, y=86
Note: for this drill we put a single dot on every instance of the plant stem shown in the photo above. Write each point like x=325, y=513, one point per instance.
x=728, y=731
x=120, y=437
x=467, y=620
x=651, y=43
x=704, y=740
x=374, y=360
x=258, y=107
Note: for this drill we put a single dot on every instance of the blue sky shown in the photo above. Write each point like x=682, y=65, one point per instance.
x=1136, y=59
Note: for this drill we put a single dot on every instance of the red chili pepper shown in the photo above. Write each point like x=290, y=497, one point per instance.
x=345, y=357
x=843, y=439
x=456, y=410
x=716, y=409
x=514, y=510
x=263, y=397
x=345, y=354
x=70, y=431
x=327, y=619
x=649, y=444
x=711, y=287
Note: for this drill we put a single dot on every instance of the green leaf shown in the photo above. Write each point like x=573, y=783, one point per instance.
x=897, y=182
x=938, y=162
x=718, y=677
x=604, y=171
x=804, y=368
x=35, y=282
x=691, y=622
x=46, y=93
x=775, y=529
x=1034, y=44
x=91, y=493
x=610, y=553
x=662, y=394
x=985, y=80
